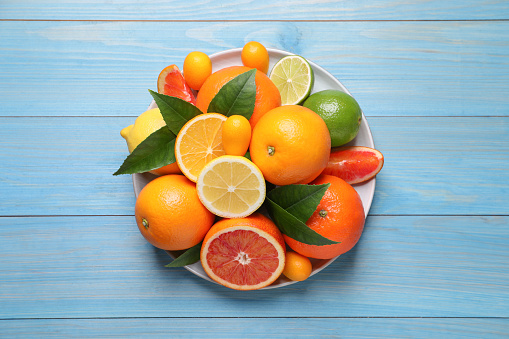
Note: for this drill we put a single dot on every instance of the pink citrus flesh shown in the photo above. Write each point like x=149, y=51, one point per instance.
x=243, y=258
x=354, y=164
x=171, y=82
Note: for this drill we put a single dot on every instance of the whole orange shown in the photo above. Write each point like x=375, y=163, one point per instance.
x=291, y=145
x=339, y=217
x=170, y=215
x=267, y=94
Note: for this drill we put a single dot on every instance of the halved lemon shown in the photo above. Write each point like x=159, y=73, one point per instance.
x=199, y=142
x=231, y=187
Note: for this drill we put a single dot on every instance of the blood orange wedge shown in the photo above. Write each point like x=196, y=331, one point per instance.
x=171, y=82
x=244, y=254
x=354, y=164
x=198, y=142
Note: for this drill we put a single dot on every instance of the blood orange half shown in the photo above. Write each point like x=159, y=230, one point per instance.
x=245, y=253
x=354, y=164
x=171, y=82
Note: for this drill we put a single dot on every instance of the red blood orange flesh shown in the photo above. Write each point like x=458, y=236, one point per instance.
x=354, y=164
x=171, y=82
x=244, y=253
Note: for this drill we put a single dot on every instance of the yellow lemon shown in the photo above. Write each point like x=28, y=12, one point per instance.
x=147, y=123
x=231, y=187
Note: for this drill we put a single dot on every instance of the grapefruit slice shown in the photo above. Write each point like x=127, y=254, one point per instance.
x=244, y=253
x=171, y=82
x=354, y=164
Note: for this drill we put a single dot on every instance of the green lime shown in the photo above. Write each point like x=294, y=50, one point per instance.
x=294, y=78
x=340, y=111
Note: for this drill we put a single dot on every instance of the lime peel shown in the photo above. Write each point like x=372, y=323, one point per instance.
x=294, y=78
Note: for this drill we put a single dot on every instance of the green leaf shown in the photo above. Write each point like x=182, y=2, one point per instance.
x=299, y=200
x=189, y=257
x=175, y=111
x=269, y=186
x=156, y=151
x=293, y=227
x=248, y=156
x=236, y=97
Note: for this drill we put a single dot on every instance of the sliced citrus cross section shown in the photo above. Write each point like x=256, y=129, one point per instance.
x=354, y=164
x=244, y=254
x=171, y=82
x=294, y=78
x=199, y=142
x=231, y=187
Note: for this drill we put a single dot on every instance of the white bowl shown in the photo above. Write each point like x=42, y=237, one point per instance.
x=323, y=80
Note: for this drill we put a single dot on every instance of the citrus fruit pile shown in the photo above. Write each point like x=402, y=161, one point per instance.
x=255, y=172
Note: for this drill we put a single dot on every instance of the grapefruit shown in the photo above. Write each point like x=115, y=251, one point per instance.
x=244, y=254
x=354, y=164
x=172, y=83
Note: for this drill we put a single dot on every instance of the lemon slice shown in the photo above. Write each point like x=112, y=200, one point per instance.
x=294, y=78
x=231, y=187
x=198, y=142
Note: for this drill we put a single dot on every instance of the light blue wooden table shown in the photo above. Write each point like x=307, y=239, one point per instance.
x=432, y=78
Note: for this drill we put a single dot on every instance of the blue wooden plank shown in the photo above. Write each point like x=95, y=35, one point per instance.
x=261, y=10
x=64, y=166
x=257, y=328
x=442, y=165
x=433, y=165
x=403, y=266
x=392, y=68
